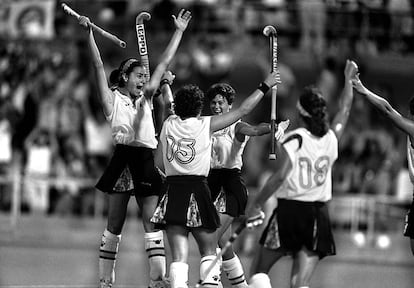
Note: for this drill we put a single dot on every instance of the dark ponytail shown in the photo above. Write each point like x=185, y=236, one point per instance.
x=314, y=105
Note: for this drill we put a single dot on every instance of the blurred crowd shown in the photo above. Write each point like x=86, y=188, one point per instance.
x=51, y=126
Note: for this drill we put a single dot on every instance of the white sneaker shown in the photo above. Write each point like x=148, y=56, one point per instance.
x=105, y=284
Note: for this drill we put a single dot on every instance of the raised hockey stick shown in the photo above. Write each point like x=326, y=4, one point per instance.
x=94, y=27
x=270, y=31
x=142, y=40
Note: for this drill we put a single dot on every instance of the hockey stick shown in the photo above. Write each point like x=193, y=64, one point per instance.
x=142, y=41
x=226, y=246
x=270, y=31
x=94, y=27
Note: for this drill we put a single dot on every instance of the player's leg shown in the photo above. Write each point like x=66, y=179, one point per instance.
x=207, y=242
x=304, y=263
x=111, y=237
x=412, y=245
x=178, y=240
x=148, y=185
x=231, y=264
x=154, y=240
x=262, y=262
x=235, y=204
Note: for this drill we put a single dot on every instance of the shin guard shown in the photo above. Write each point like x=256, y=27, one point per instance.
x=107, y=257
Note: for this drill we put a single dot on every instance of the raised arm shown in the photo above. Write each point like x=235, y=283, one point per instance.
x=404, y=124
x=181, y=23
x=219, y=122
x=345, y=102
x=105, y=94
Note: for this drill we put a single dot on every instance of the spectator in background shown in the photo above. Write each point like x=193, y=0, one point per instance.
x=41, y=147
x=6, y=151
x=327, y=81
x=401, y=23
x=313, y=25
x=71, y=169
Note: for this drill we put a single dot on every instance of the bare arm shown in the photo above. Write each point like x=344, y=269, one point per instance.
x=281, y=169
x=345, y=102
x=105, y=94
x=181, y=23
x=404, y=124
x=244, y=129
x=219, y=122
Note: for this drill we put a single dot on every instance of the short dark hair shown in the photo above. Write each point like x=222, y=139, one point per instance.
x=224, y=90
x=188, y=101
x=313, y=103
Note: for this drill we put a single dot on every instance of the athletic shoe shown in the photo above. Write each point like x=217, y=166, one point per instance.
x=159, y=284
x=105, y=284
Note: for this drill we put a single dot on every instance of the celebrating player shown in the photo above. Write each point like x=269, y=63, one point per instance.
x=225, y=181
x=407, y=126
x=302, y=182
x=128, y=109
x=185, y=141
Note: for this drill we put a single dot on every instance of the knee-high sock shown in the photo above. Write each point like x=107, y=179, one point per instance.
x=154, y=246
x=107, y=257
x=234, y=272
x=260, y=280
x=178, y=275
x=213, y=279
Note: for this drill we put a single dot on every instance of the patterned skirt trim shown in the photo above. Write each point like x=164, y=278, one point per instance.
x=295, y=224
x=188, y=203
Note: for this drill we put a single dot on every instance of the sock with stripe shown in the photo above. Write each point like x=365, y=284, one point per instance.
x=234, y=272
x=107, y=257
x=178, y=275
x=213, y=279
x=260, y=280
x=154, y=246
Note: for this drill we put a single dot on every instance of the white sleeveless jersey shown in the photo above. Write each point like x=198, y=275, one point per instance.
x=186, y=146
x=410, y=159
x=227, y=151
x=132, y=125
x=312, y=158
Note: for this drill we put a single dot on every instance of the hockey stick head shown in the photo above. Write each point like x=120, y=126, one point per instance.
x=269, y=30
x=143, y=16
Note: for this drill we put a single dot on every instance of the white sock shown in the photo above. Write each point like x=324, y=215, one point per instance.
x=107, y=256
x=260, y=280
x=303, y=287
x=213, y=278
x=178, y=275
x=154, y=246
x=234, y=272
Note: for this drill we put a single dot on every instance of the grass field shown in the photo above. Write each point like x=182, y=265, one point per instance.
x=43, y=252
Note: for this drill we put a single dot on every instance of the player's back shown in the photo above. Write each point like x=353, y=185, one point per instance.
x=312, y=158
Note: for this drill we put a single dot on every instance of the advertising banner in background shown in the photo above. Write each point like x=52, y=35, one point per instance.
x=33, y=19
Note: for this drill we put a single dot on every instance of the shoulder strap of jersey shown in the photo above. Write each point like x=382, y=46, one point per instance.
x=293, y=137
